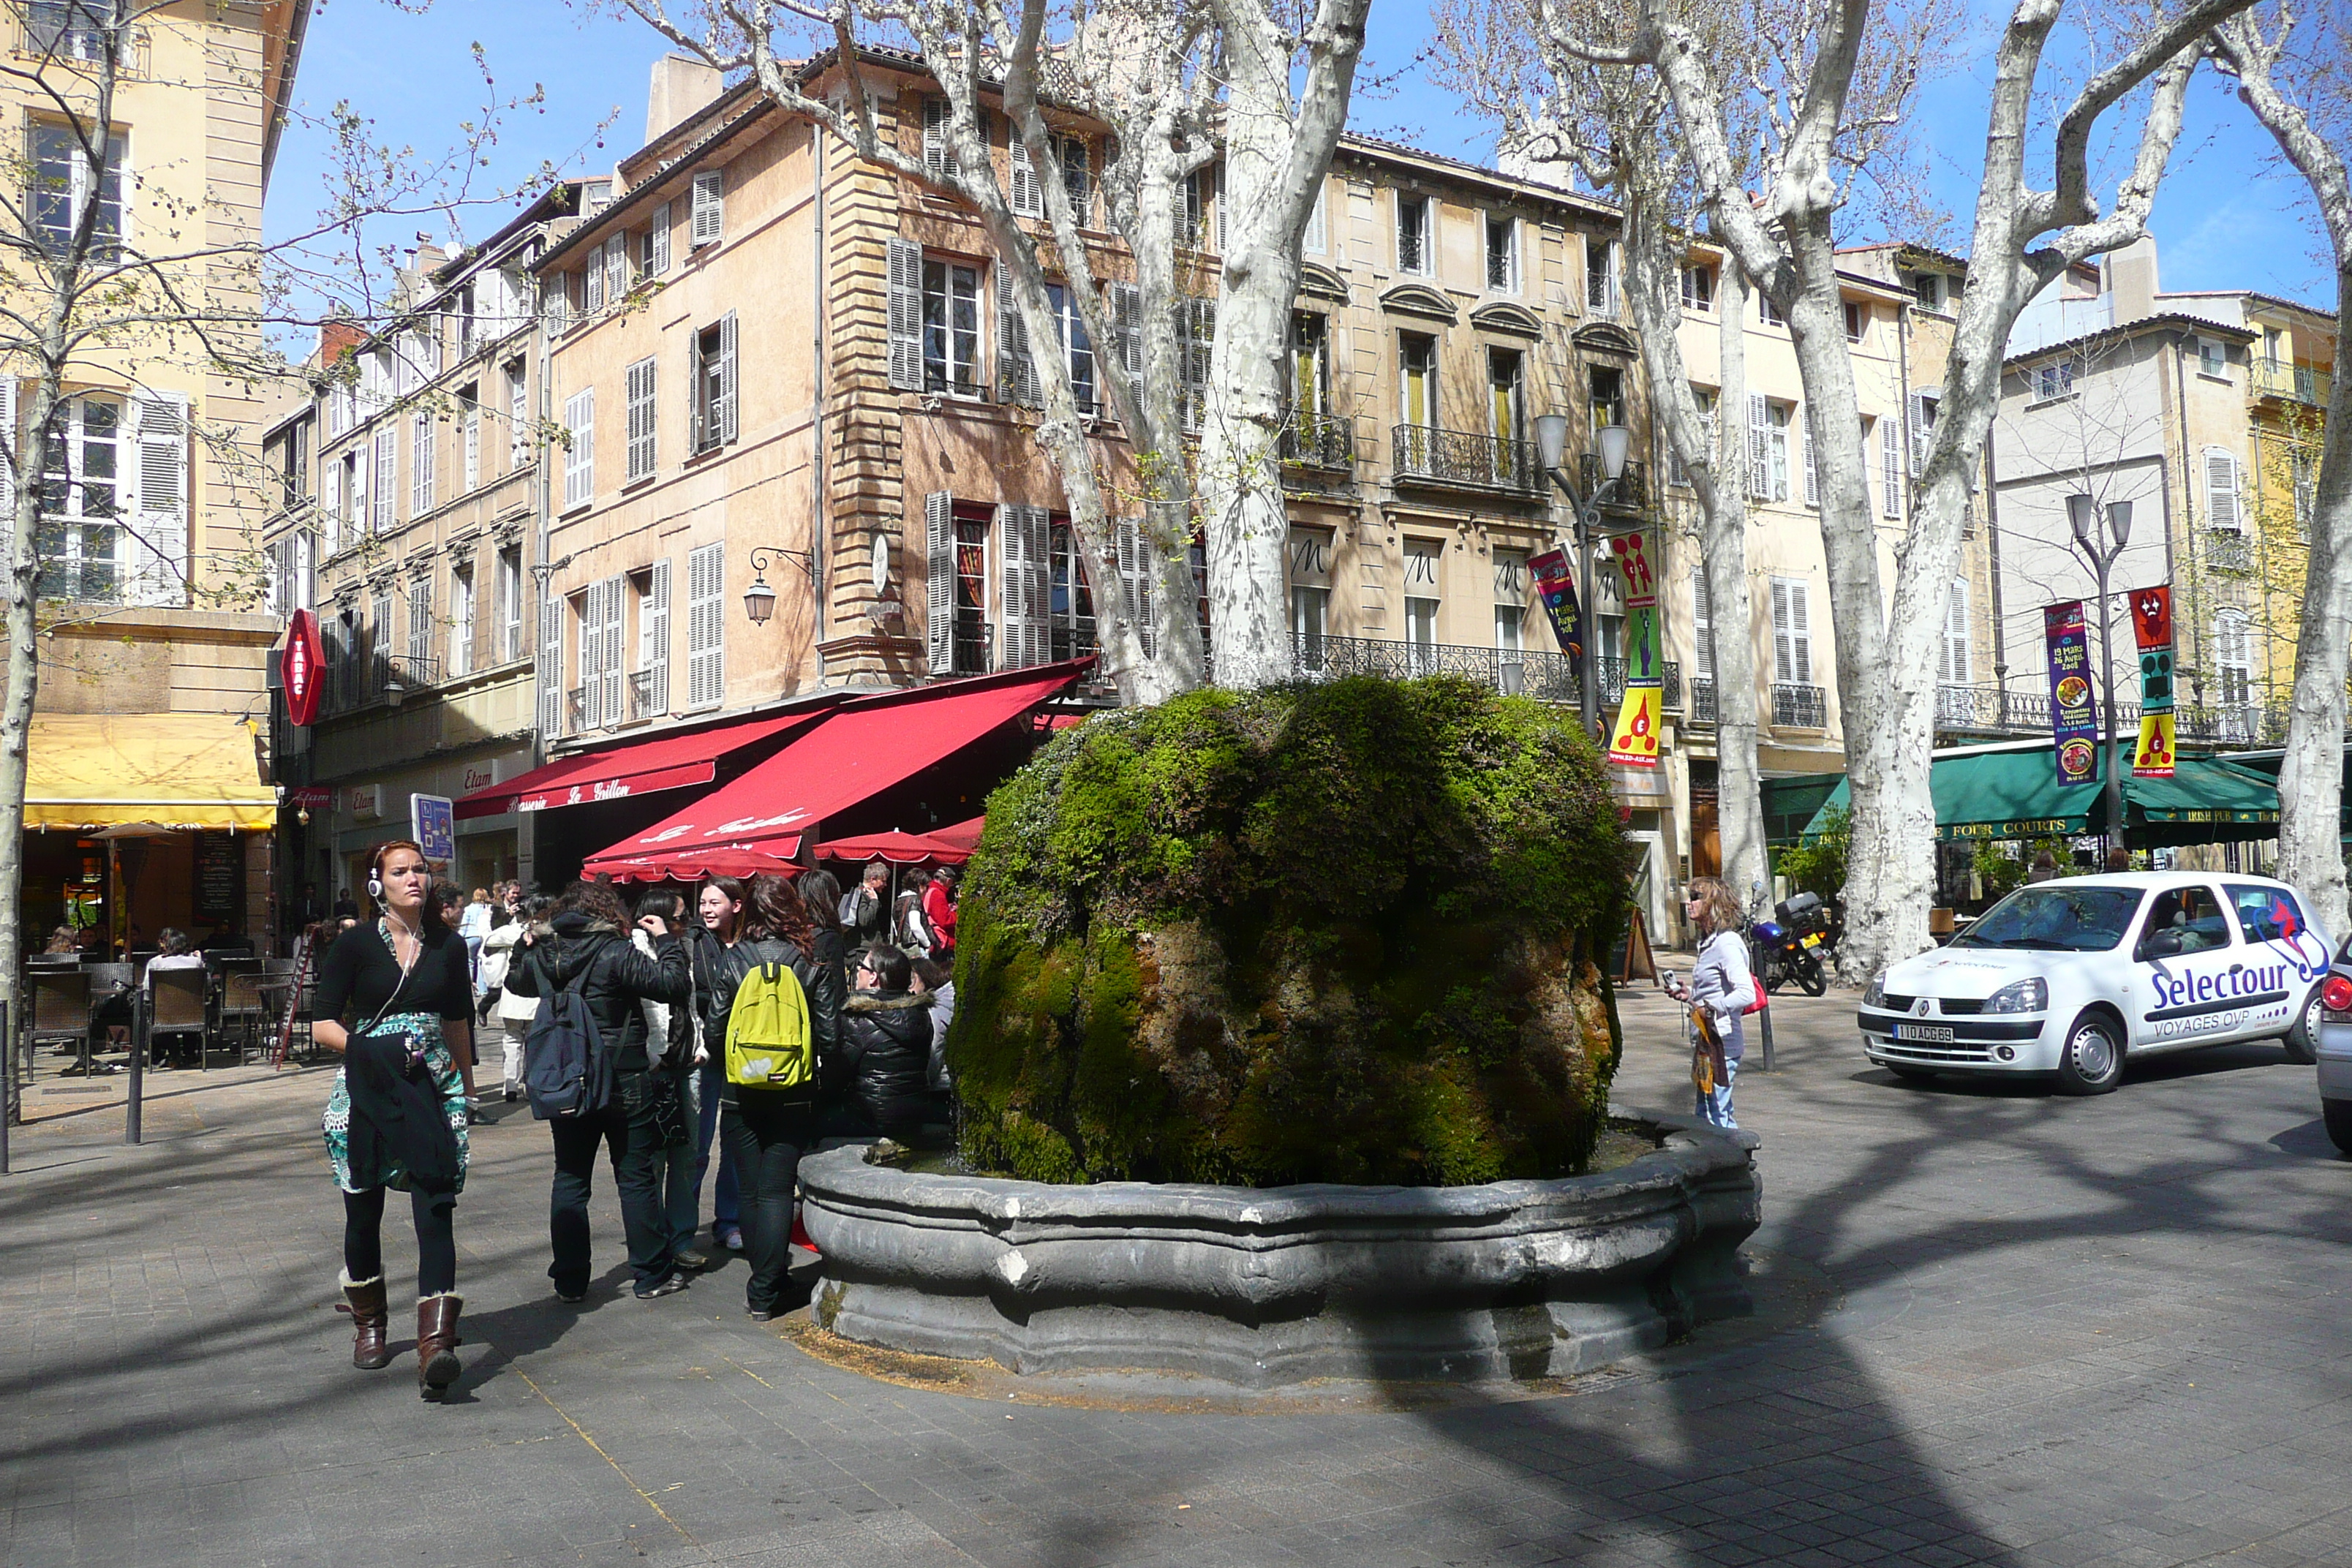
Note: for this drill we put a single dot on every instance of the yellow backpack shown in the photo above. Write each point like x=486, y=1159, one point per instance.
x=768, y=1044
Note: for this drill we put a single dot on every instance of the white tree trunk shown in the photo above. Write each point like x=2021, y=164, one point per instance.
x=1740, y=804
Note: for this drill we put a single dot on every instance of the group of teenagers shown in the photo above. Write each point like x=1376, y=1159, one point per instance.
x=397, y=998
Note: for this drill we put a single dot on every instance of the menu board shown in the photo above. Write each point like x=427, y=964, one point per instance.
x=219, y=882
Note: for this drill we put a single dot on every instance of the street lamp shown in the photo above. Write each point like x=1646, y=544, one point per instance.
x=1551, y=450
x=2083, y=513
x=759, y=599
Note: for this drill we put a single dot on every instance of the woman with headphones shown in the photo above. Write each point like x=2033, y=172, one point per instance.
x=395, y=1000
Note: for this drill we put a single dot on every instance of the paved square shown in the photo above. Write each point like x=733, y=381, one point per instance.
x=2060, y=1332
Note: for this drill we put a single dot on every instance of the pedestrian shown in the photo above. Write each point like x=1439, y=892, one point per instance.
x=772, y=1128
x=2119, y=858
x=474, y=925
x=346, y=907
x=719, y=904
x=908, y=930
x=588, y=954
x=1721, y=983
x=396, y=1116
x=938, y=910
x=879, y=1083
x=822, y=895
x=2045, y=867
x=512, y=1011
x=866, y=912
x=672, y=1052
x=937, y=984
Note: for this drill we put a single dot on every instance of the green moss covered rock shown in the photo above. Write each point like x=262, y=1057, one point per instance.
x=1348, y=932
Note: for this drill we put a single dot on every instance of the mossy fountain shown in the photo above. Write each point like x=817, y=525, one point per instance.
x=1283, y=1015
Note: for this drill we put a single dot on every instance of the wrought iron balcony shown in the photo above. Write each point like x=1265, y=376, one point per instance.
x=1702, y=700
x=2294, y=382
x=641, y=695
x=1796, y=706
x=1543, y=674
x=1629, y=493
x=1318, y=440
x=2227, y=550
x=1430, y=456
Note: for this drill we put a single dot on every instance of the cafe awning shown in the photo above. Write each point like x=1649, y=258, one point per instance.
x=2011, y=790
x=855, y=752
x=689, y=866
x=672, y=761
x=84, y=771
x=946, y=846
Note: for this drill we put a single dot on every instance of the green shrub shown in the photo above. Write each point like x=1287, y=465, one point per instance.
x=1345, y=932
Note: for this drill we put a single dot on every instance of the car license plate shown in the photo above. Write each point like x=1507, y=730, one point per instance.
x=1812, y=939
x=1938, y=1033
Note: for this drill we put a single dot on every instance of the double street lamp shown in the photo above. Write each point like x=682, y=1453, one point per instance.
x=1611, y=442
x=2100, y=549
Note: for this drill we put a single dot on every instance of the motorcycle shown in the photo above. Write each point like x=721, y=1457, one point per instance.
x=1788, y=946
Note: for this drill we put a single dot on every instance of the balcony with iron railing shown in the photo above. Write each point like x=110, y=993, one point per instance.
x=1423, y=454
x=643, y=698
x=1631, y=492
x=2305, y=383
x=1317, y=440
x=1991, y=710
x=1799, y=706
x=1546, y=676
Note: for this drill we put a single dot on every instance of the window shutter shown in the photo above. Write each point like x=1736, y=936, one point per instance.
x=1954, y=670
x=1027, y=200
x=1312, y=242
x=1890, y=468
x=550, y=664
x=640, y=381
x=592, y=283
x=517, y=417
x=653, y=638
x=1127, y=325
x=1800, y=640
x=939, y=540
x=935, y=137
x=1136, y=576
x=1013, y=633
x=2221, y=489
x=1759, y=447
x=905, y=315
x=657, y=242
x=1077, y=181
x=1812, y=475
x=608, y=669
x=473, y=443
x=580, y=460
x=156, y=561
x=1197, y=322
x=420, y=462
x=1784, y=658
x=1922, y=430
x=331, y=496
x=420, y=622
x=1702, y=624
x=385, y=479
x=1016, y=372
x=616, y=268
x=1218, y=186
x=710, y=208
x=706, y=625
x=725, y=412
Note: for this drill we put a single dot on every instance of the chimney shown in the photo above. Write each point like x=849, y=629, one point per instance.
x=681, y=86
x=337, y=338
x=2131, y=279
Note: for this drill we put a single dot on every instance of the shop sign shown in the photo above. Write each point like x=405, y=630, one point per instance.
x=478, y=777
x=366, y=800
x=310, y=797
x=300, y=666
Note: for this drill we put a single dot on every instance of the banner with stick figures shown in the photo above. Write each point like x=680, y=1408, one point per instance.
x=2151, y=613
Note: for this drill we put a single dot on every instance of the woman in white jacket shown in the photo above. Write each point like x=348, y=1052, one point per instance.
x=1721, y=983
x=502, y=946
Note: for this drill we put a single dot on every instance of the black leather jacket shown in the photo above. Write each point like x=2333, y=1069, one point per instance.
x=721, y=969
x=618, y=976
x=885, y=1068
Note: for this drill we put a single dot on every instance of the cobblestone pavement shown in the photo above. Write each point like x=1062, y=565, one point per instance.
x=2061, y=1332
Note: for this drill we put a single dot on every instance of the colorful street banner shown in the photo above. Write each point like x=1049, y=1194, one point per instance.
x=2151, y=610
x=2152, y=758
x=1633, y=562
x=1557, y=590
x=1642, y=665
x=2073, y=716
x=1636, y=742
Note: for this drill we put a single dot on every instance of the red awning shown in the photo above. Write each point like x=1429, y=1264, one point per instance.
x=861, y=748
x=673, y=762
x=689, y=867
x=948, y=846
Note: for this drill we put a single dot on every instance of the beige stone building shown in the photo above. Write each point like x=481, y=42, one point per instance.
x=150, y=581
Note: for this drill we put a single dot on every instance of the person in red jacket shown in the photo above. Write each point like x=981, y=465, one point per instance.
x=939, y=907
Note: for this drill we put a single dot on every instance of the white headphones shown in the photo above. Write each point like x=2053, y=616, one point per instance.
x=375, y=882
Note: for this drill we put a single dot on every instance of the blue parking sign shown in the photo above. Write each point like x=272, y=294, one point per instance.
x=434, y=825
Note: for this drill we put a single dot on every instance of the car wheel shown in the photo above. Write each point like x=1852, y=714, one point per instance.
x=2091, y=1059
x=2302, y=1042
x=2339, y=1122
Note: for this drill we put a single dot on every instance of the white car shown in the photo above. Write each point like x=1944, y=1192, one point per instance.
x=2073, y=975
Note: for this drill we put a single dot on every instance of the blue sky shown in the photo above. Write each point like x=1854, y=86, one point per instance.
x=2227, y=218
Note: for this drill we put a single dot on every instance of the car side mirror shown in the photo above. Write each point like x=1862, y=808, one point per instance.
x=2164, y=944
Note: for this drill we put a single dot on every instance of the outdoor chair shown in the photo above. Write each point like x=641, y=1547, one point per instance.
x=60, y=1009
x=175, y=1005
x=242, y=1008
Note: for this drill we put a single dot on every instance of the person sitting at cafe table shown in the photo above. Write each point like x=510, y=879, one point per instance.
x=175, y=952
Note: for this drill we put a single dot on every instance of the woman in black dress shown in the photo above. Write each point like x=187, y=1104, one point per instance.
x=395, y=1000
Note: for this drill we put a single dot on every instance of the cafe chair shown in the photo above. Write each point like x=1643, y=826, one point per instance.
x=60, y=1010
x=175, y=1006
x=242, y=1007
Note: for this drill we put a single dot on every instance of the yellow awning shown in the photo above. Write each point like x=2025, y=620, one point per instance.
x=89, y=771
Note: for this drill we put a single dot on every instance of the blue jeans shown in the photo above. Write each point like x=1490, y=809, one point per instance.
x=1714, y=1105
x=726, y=1203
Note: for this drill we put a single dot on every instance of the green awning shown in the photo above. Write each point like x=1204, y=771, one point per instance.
x=1790, y=803
x=2012, y=792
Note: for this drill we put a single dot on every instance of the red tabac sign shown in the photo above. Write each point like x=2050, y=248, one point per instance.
x=301, y=666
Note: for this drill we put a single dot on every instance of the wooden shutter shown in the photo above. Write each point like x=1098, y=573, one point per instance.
x=1017, y=370
x=653, y=637
x=938, y=577
x=1923, y=429
x=473, y=440
x=640, y=381
x=1137, y=574
x=1760, y=447
x=1027, y=200
x=550, y=664
x=1812, y=475
x=1197, y=322
x=1076, y=175
x=710, y=208
x=420, y=467
x=725, y=412
x=1312, y=241
x=1126, y=326
x=518, y=416
x=1792, y=648
x=157, y=559
x=1218, y=186
x=385, y=479
x=2222, y=509
x=330, y=494
x=706, y=625
x=1702, y=625
x=592, y=656
x=935, y=137
x=608, y=669
x=657, y=241
x=1014, y=634
x=1890, y=467
x=906, y=285
x=616, y=268
x=420, y=622
x=1953, y=668
x=580, y=460
x=592, y=283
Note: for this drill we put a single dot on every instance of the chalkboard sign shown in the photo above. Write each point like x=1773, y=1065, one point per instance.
x=219, y=882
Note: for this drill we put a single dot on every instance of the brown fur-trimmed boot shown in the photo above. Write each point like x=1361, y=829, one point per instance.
x=436, y=1343
x=364, y=1300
